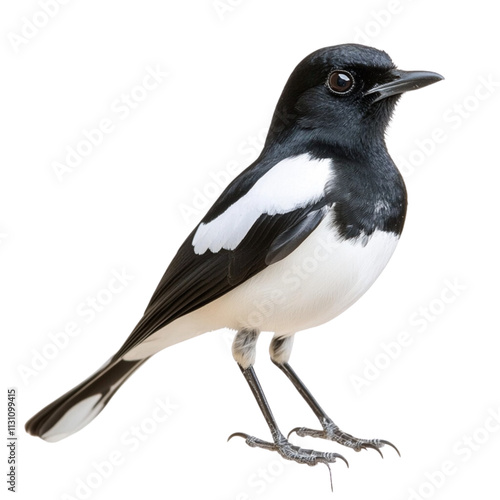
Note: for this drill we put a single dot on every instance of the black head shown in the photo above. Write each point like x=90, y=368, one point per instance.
x=343, y=96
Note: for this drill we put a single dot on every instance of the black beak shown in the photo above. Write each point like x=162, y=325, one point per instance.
x=403, y=81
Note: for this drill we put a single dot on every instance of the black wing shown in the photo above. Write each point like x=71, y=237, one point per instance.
x=192, y=280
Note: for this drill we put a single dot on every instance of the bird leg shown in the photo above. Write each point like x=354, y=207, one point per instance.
x=243, y=351
x=280, y=349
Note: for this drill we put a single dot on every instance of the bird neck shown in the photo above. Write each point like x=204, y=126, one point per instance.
x=369, y=141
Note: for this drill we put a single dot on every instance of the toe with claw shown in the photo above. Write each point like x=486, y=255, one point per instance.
x=291, y=452
x=331, y=432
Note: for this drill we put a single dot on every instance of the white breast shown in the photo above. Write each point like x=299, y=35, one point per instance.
x=315, y=283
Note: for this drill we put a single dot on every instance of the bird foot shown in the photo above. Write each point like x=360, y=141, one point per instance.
x=291, y=452
x=331, y=432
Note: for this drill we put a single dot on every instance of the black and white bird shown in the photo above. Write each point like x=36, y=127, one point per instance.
x=324, y=195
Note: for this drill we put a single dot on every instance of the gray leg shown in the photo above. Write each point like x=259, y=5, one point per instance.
x=280, y=350
x=244, y=353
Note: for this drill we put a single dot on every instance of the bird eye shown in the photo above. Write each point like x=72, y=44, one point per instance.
x=340, y=81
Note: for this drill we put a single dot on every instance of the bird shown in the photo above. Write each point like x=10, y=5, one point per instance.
x=292, y=242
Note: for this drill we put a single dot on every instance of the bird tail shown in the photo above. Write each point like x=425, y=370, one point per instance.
x=83, y=403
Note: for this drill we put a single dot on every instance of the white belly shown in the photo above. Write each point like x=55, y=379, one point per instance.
x=315, y=283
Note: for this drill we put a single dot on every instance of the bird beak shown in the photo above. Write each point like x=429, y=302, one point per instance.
x=402, y=81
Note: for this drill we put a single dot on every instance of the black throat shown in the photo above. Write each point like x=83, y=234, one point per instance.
x=367, y=191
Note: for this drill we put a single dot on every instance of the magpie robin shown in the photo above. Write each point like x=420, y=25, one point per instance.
x=324, y=196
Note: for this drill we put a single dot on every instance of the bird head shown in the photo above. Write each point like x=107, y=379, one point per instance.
x=343, y=96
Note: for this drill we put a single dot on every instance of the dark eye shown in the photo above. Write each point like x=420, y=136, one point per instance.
x=340, y=81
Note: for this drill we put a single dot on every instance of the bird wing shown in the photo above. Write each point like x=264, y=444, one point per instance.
x=241, y=235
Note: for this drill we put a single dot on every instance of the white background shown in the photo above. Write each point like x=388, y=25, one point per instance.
x=122, y=208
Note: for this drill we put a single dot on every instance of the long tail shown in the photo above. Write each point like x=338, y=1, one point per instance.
x=80, y=405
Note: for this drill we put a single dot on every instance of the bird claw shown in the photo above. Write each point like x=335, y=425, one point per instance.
x=365, y=446
x=388, y=443
x=291, y=452
x=238, y=434
x=333, y=433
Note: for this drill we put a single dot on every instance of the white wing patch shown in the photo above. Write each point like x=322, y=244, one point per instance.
x=292, y=183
